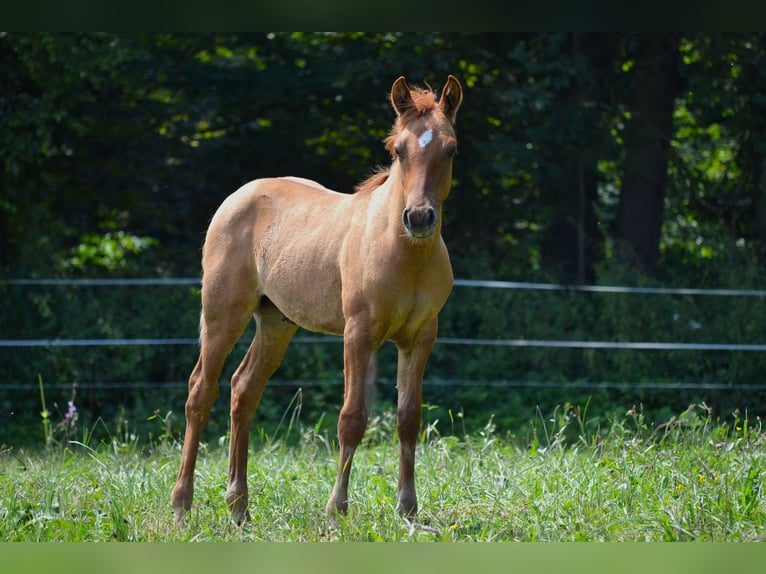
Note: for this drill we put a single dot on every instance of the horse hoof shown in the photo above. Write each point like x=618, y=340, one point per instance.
x=180, y=515
x=407, y=509
x=336, y=508
x=237, y=503
x=239, y=518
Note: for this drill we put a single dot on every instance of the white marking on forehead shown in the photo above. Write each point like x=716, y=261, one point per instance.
x=426, y=138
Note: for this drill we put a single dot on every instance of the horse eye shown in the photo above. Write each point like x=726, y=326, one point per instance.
x=398, y=152
x=452, y=152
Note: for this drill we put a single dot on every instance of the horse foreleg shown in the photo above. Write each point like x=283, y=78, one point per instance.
x=352, y=421
x=247, y=384
x=409, y=382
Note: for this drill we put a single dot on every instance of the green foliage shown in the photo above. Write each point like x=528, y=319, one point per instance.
x=106, y=253
x=151, y=131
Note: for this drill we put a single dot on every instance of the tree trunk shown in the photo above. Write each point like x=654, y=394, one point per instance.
x=572, y=239
x=570, y=242
x=647, y=145
x=758, y=127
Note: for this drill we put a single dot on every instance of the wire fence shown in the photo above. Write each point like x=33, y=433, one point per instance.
x=637, y=345
x=460, y=283
x=142, y=282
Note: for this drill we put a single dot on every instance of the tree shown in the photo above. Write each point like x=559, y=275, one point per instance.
x=647, y=145
x=73, y=123
x=572, y=239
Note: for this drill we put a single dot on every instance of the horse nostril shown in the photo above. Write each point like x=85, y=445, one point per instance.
x=406, y=218
x=431, y=217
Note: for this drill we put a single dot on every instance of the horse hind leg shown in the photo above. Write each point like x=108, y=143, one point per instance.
x=218, y=334
x=262, y=359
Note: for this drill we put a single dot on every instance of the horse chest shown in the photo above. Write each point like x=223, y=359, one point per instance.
x=399, y=311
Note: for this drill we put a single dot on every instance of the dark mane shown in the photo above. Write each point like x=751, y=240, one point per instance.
x=373, y=182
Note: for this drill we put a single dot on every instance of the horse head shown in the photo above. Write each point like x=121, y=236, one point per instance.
x=422, y=145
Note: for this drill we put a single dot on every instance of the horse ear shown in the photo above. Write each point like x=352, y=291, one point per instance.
x=452, y=96
x=401, y=99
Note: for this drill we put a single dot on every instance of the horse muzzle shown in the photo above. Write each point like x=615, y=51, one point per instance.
x=420, y=223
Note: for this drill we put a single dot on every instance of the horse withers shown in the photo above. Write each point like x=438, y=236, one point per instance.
x=371, y=266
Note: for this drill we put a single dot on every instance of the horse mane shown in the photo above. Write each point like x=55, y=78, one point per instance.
x=378, y=178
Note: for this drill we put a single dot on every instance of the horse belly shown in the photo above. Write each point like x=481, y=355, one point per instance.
x=308, y=302
x=297, y=260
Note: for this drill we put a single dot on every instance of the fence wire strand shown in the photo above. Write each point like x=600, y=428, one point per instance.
x=498, y=342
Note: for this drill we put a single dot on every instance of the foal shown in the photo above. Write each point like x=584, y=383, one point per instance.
x=371, y=266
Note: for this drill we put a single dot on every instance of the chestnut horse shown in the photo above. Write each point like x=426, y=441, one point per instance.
x=371, y=266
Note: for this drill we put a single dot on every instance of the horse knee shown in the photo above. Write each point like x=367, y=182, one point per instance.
x=241, y=402
x=351, y=425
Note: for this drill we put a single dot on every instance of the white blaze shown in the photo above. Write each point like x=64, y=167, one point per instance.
x=426, y=138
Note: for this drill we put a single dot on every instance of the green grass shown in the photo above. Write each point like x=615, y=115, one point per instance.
x=567, y=480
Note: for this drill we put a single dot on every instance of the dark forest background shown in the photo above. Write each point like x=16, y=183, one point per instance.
x=584, y=158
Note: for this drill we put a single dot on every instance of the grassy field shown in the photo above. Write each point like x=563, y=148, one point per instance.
x=693, y=478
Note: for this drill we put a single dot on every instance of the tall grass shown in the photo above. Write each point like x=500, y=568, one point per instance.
x=565, y=479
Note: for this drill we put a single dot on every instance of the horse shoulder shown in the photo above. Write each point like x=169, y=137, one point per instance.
x=440, y=276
